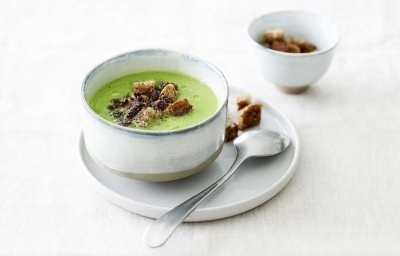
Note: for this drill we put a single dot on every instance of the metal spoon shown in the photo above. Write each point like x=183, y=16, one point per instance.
x=258, y=143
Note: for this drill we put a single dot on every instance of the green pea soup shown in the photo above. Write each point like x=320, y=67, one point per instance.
x=200, y=96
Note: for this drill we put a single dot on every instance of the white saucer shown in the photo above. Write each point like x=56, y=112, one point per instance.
x=258, y=179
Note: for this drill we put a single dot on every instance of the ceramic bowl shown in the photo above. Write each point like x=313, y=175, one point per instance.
x=293, y=72
x=154, y=155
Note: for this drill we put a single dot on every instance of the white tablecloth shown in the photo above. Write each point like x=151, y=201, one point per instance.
x=343, y=200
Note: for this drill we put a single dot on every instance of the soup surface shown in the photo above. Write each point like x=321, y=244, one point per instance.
x=199, y=95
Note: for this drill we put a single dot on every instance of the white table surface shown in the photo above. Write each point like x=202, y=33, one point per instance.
x=343, y=200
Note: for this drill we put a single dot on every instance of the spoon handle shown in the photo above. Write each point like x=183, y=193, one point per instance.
x=162, y=228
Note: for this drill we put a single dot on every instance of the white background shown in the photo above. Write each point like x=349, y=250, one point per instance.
x=343, y=200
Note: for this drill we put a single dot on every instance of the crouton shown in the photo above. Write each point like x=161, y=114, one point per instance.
x=272, y=34
x=144, y=87
x=242, y=101
x=169, y=90
x=293, y=48
x=146, y=116
x=249, y=116
x=281, y=46
x=231, y=130
x=179, y=108
x=294, y=40
x=303, y=45
x=307, y=47
x=278, y=41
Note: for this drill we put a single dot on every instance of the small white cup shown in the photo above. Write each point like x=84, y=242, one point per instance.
x=293, y=72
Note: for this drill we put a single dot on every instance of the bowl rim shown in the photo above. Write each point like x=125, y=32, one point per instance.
x=318, y=52
x=141, y=132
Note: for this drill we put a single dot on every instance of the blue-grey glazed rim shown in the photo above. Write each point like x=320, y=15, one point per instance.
x=295, y=55
x=140, y=132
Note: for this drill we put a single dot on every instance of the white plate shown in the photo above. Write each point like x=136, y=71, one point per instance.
x=258, y=179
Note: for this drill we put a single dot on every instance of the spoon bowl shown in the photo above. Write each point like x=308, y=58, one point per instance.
x=261, y=143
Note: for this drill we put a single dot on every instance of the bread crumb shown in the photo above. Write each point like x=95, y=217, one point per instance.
x=144, y=87
x=273, y=34
x=231, y=130
x=146, y=116
x=249, y=116
x=242, y=101
x=179, y=108
x=170, y=91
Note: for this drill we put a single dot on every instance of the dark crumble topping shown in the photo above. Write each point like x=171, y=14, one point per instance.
x=148, y=101
x=162, y=103
x=154, y=95
x=141, y=99
x=160, y=86
x=117, y=103
x=124, y=121
x=134, y=110
x=116, y=113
